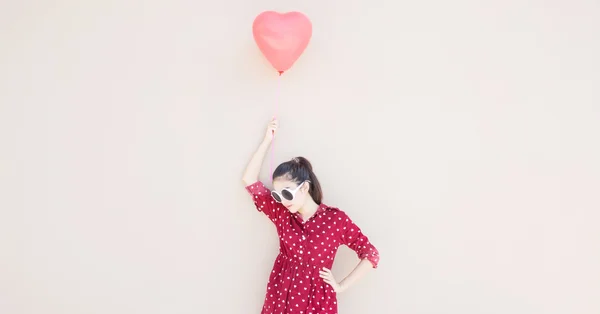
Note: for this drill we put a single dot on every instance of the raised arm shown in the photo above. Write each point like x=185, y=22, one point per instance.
x=253, y=168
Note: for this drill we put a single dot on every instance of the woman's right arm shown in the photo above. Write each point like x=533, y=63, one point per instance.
x=253, y=168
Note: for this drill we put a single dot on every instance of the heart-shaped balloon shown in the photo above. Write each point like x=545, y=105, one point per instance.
x=282, y=37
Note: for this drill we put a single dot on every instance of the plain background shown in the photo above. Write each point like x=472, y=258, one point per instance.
x=462, y=136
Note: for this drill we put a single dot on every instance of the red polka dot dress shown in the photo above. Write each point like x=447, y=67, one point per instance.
x=294, y=285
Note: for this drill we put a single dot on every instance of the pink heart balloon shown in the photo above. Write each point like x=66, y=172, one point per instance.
x=282, y=37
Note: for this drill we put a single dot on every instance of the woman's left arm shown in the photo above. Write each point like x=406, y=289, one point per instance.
x=368, y=254
x=360, y=270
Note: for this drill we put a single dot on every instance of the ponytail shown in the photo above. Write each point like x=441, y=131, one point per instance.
x=315, y=187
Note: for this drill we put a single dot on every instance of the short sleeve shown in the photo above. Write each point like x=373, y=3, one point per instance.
x=355, y=239
x=263, y=200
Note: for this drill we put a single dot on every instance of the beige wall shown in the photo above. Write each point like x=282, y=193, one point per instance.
x=462, y=136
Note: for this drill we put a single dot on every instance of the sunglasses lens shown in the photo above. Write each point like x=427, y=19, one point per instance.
x=276, y=197
x=287, y=195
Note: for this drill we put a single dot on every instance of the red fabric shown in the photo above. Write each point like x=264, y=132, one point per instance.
x=294, y=285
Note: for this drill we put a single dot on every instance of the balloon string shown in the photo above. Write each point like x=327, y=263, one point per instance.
x=273, y=140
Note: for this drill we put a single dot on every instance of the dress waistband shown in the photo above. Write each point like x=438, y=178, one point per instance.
x=298, y=261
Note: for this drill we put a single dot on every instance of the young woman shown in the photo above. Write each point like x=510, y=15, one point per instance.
x=310, y=233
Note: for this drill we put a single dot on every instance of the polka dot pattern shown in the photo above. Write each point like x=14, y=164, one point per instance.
x=305, y=247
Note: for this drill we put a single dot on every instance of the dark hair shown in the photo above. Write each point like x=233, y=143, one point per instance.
x=299, y=170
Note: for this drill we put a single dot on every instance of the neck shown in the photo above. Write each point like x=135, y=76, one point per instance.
x=309, y=208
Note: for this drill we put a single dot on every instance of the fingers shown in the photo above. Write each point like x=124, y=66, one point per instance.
x=326, y=274
x=273, y=125
x=328, y=278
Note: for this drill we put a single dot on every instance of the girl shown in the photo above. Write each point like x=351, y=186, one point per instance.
x=310, y=232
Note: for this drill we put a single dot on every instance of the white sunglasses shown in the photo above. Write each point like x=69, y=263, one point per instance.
x=286, y=193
